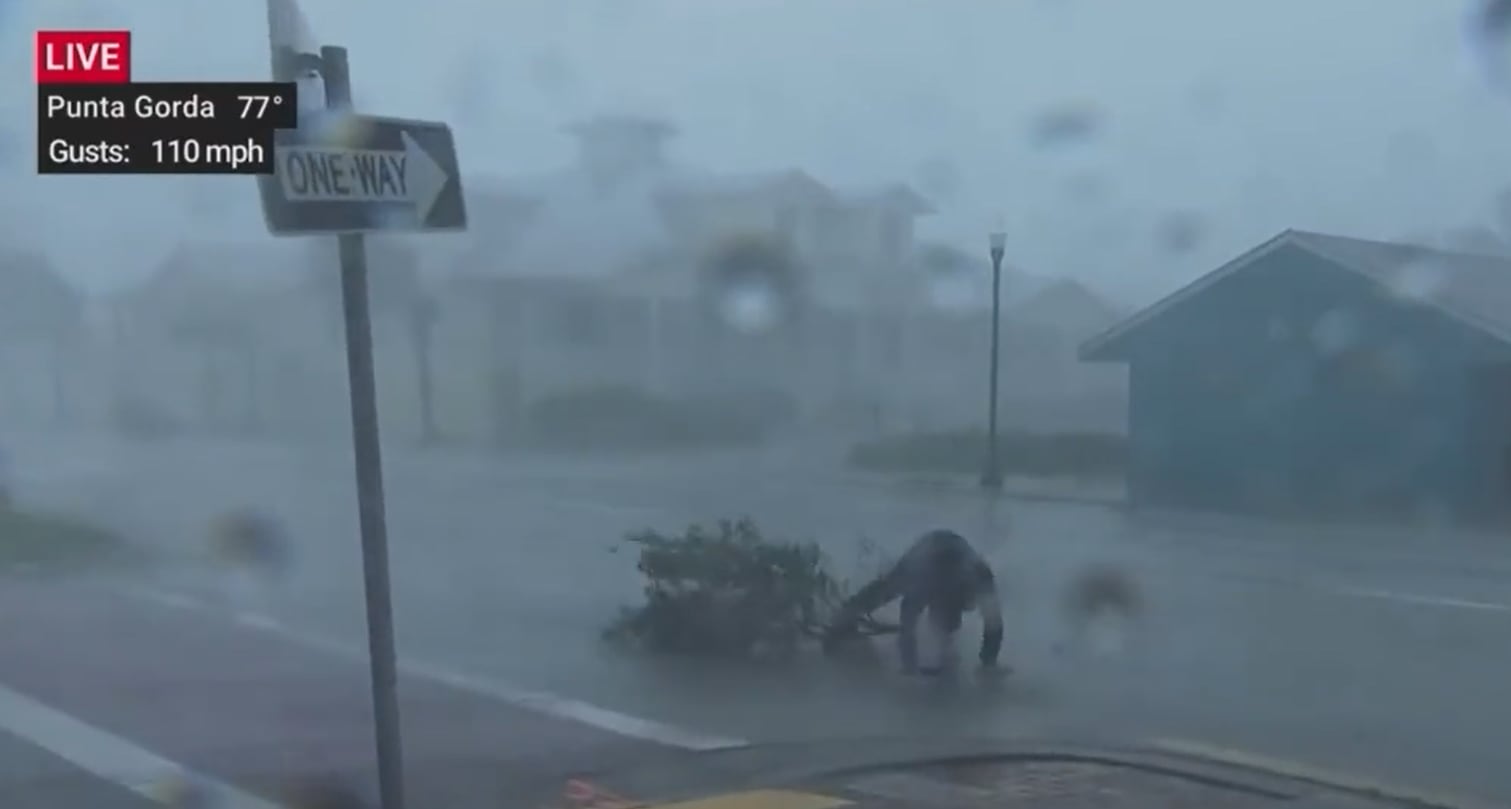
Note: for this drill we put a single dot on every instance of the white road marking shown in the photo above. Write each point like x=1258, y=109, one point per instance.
x=164, y=598
x=1418, y=600
x=541, y=702
x=107, y=756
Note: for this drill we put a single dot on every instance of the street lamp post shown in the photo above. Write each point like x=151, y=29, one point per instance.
x=991, y=477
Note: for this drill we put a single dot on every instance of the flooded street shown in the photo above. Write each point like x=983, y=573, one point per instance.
x=505, y=573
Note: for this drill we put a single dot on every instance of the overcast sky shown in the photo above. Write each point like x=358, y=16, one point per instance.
x=1361, y=117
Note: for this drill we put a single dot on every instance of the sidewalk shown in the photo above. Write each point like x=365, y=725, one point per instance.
x=1107, y=495
x=1479, y=551
x=249, y=709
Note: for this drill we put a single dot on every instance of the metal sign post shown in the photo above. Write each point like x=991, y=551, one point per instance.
x=391, y=175
x=369, y=462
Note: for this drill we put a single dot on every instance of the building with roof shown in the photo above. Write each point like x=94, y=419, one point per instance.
x=1319, y=374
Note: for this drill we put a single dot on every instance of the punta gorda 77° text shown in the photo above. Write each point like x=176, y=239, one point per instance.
x=143, y=108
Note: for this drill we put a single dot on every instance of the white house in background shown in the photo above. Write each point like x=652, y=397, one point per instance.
x=876, y=226
x=856, y=245
x=701, y=212
x=624, y=208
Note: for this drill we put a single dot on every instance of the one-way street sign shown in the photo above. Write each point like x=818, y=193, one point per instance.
x=346, y=173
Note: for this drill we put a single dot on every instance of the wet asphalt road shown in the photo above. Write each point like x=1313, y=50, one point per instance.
x=33, y=778
x=254, y=717
x=1374, y=656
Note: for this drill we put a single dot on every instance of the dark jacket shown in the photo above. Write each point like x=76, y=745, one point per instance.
x=941, y=575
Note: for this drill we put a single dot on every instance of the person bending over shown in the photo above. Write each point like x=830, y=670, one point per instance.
x=941, y=576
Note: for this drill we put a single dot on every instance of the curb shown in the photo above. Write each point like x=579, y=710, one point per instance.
x=968, y=488
x=769, y=767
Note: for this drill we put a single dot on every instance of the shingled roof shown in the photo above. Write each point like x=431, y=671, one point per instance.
x=1472, y=289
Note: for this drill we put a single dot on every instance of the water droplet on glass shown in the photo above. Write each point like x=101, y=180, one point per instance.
x=753, y=282
x=1180, y=232
x=1335, y=332
x=254, y=552
x=1065, y=125
x=1488, y=33
x=394, y=219
x=338, y=127
x=952, y=278
x=1418, y=281
x=1102, y=603
x=311, y=90
x=749, y=306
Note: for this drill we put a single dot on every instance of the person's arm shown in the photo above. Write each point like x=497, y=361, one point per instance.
x=991, y=619
x=870, y=598
x=907, y=632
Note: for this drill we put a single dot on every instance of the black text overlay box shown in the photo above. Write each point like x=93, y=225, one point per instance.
x=219, y=107
x=160, y=150
x=162, y=127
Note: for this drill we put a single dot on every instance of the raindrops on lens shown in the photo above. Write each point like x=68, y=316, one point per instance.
x=1180, y=232
x=1065, y=125
x=753, y=283
x=749, y=306
x=1336, y=332
x=1418, y=281
x=248, y=538
x=337, y=127
x=950, y=275
x=1489, y=31
x=1101, y=602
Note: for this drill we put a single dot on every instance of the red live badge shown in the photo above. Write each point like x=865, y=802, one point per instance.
x=83, y=57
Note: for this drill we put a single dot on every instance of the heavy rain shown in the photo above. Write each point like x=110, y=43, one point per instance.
x=1191, y=317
